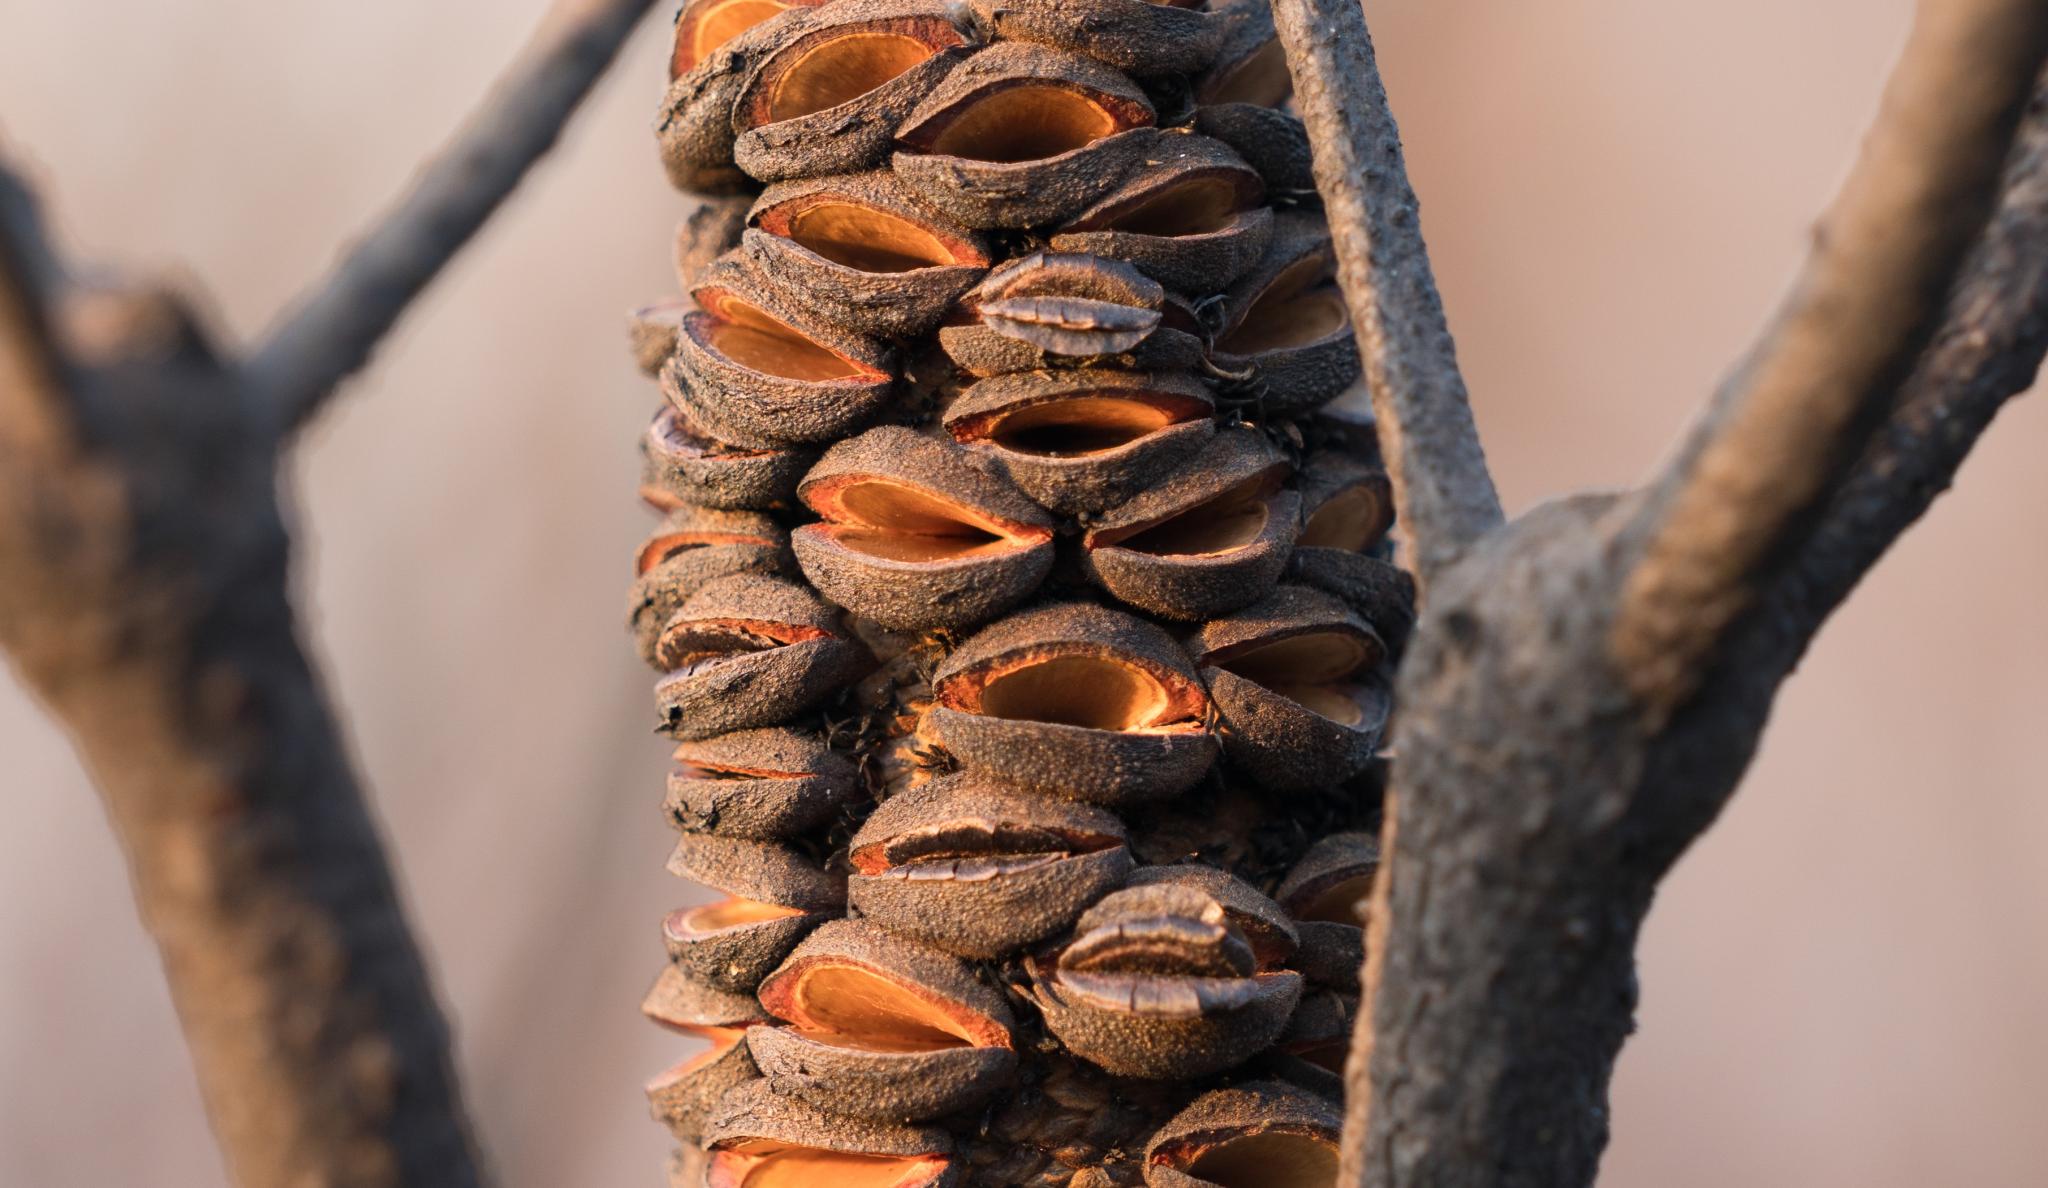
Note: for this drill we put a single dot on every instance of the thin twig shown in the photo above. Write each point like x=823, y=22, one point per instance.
x=331, y=332
x=1442, y=489
x=1812, y=389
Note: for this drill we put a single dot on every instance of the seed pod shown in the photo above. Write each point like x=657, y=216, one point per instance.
x=1287, y=319
x=734, y=943
x=759, y=1138
x=760, y=871
x=839, y=80
x=1266, y=927
x=1270, y=140
x=705, y=25
x=1292, y=677
x=757, y=373
x=1377, y=591
x=1079, y=442
x=1193, y=222
x=1262, y=1134
x=918, y=534
x=1329, y=895
x=979, y=869
x=1346, y=502
x=1160, y=928
x=881, y=1027
x=695, y=124
x=694, y=546
x=857, y=252
x=1330, y=954
x=683, y=465
x=1320, y=1032
x=1136, y=37
x=1076, y=701
x=684, y=1095
x=749, y=651
x=1023, y=135
x=760, y=784
x=1212, y=537
x=654, y=329
x=1250, y=65
x=682, y=1003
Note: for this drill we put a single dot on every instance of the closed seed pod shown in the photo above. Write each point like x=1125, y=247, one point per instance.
x=1070, y=305
x=1080, y=442
x=829, y=95
x=763, y=872
x=1272, y=141
x=1208, y=539
x=1287, y=319
x=918, y=534
x=694, y=546
x=1293, y=681
x=684, y=466
x=1265, y=925
x=756, y=372
x=1331, y=953
x=1158, y=928
x=747, y=651
x=1377, y=591
x=1135, y=36
x=880, y=1027
x=760, y=1138
x=1346, y=502
x=1250, y=65
x=1194, y=222
x=654, y=328
x=980, y=869
x=1320, y=1032
x=1263, y=1134
x=1077, y=701
x=734, y=943
x=761, y=784
x=684, y=1095
x=858, y=252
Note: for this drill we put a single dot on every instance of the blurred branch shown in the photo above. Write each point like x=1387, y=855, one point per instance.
x=1815, y=386
x=1442, y=488
x=331, y=331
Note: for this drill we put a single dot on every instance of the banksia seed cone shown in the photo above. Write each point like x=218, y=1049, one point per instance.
x=1022, y=609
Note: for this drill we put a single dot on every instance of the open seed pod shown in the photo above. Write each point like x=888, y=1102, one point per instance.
x=1265, y=925
x=654, y=328
x=858, y=252
x=1346, y=502
x=683, y=465
x=980, y=869
x=880, y=1027
x=760, y=1138
x=829, y=95
x=1377, y=591
x=1195, y=221
x=1287, y=319
x=684, y=1095
x=749, y=651
x=919, y=534
x=734, y=943
x=1077, y=701
x=693, y=546
x=1023, y=135
x=1137, y=37
x=761, y=784
x=763, y=872
x=703, y=26
x=1080, y=442
x=1211, y=537
x=1329, y=895
x=1158, y=984
x=1293, y=679
x=1272, y=141
x=1262, y=1134
x=756, y=372
x=695, y=124
x=1250, y=65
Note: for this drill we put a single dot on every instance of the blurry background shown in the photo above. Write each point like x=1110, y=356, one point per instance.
x=1844, y=984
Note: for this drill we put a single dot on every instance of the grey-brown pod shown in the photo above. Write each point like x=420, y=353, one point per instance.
x=757, y=372
x=683, y=1096
x=1320, y=1032
x=682, y=1003
x=761, y=1138
x=708, y=69
x=1250, y=65
x=1287, y=319
x=1194, y=221
x=1135, y=36
x=1331, y=953
x=980, y=869
x=765, y=872
x=1294, y=683
x=1079, y=442
x=1378, y=591
x=682, y=465
x=1333, y=880
x=747, y=651
x=1076, y=701
x=762, y=784
x=1262, y=1134
x=1069, y=305
x=829, y=95
x=1346, y=502
x=734, y=943
x=704, y=26
x=653, y=329
x=1270, y=140
x=1265, y=925
x=1210, y=538
x=1168, y=928
x=857, y=251
x=876, y=1026
x=694, y=546
x=919, y=534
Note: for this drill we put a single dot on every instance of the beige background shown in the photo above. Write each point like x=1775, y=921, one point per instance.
x=1844, y=985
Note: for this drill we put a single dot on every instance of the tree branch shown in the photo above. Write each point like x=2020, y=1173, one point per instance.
x=331, y=332
x=1812, y=389
x=1442, y=489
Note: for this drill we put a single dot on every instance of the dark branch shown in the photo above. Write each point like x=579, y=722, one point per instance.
x=331, y=332
x=1813, y=389
x=1441, y=486
x=30, y=361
